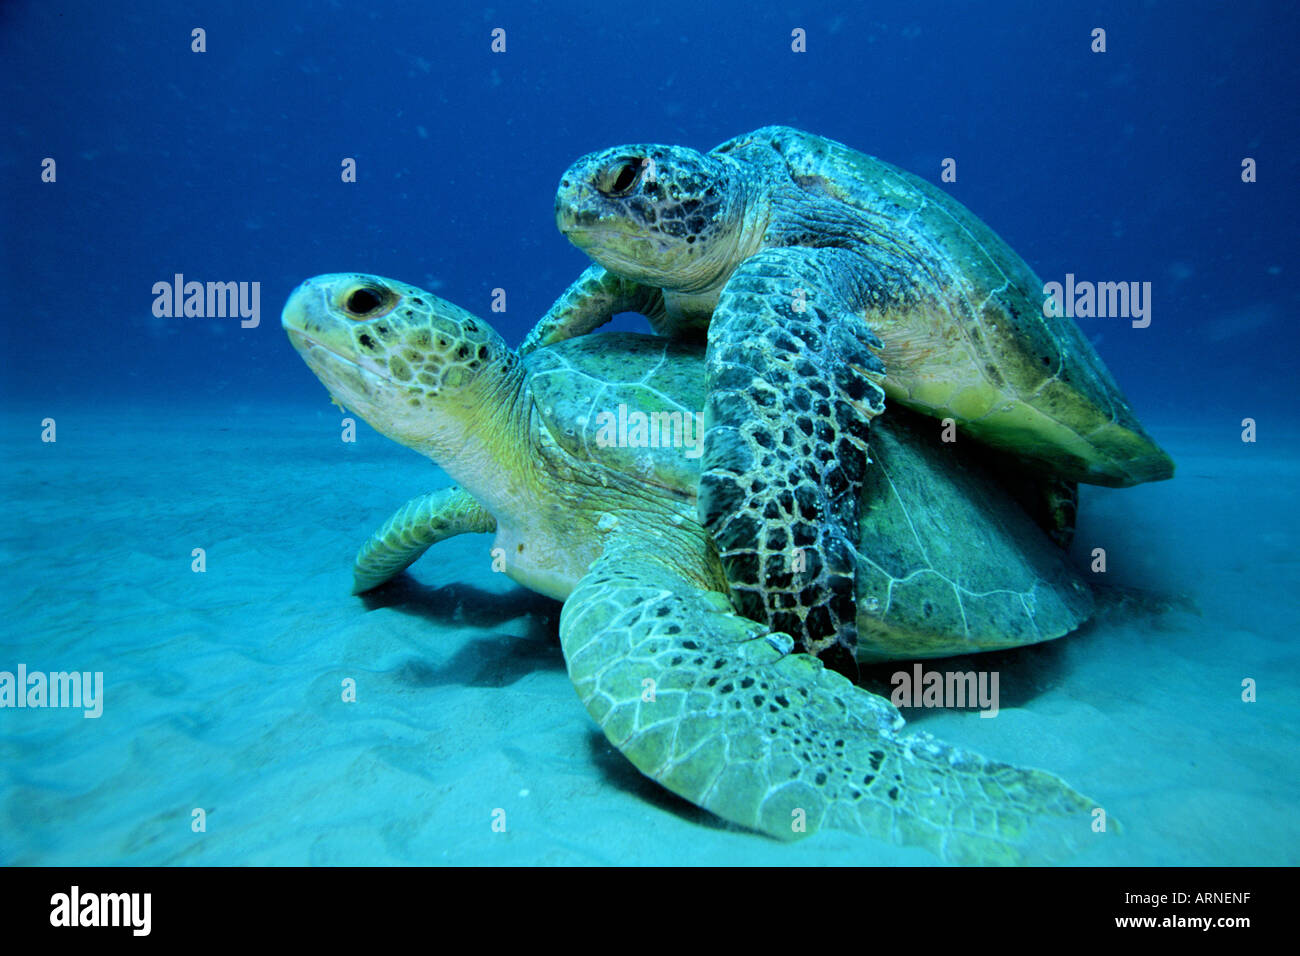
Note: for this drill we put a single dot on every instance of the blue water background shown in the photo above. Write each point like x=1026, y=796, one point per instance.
x=225, y=165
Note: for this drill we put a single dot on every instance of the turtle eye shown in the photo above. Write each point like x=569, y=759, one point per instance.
x=364, y=301
x=618, y=179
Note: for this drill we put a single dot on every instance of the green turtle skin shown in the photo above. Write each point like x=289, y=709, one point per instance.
x=826, y=279
x=716, y=707
x=412, y=530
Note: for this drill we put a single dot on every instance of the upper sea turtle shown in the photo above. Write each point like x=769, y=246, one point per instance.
x=714, y=706
x=827, y=279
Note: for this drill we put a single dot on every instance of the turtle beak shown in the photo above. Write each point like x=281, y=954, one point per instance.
x=303, y=302
x=580, y=205
x=599, y=228
x=307, y=320
x=573, y=213
x=313, y=329
x=295, y=318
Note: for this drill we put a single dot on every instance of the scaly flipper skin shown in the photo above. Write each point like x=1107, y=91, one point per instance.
x=792, y=385
x=593, y=299
x=769, y=739
x=416, y=526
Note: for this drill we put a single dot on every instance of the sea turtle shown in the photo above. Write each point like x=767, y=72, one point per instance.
x=717, y=708
x=828, y=279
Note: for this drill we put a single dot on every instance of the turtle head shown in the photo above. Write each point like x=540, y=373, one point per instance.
x=417, y=368
x=666, y=216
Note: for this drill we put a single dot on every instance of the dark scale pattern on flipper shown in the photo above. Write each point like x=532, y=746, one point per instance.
x=791, y=391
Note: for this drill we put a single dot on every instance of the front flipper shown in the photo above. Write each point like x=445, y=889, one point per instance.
x=792, y=384
x=416, y=526
x=717, y=709
x=593, y=299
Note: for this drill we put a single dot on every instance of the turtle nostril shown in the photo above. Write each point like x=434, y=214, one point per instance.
x=363, y=301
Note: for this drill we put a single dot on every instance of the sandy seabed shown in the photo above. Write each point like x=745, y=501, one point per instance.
x=223, y=689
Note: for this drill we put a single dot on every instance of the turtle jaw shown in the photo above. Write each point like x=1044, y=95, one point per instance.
x=612, y=233
x=622, y=251
x=349, y=382
x=316, y=333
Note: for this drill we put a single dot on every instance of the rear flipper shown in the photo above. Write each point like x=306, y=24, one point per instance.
x=418, y=525
x=792, y=385
x=717, y=709
x=591, y=301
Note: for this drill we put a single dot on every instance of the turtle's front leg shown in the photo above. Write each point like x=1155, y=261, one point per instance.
x=793, y=382
x=593, y=299
x=416, y=526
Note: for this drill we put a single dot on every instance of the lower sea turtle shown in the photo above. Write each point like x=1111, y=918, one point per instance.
x=827, y=279
x=717, y=708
